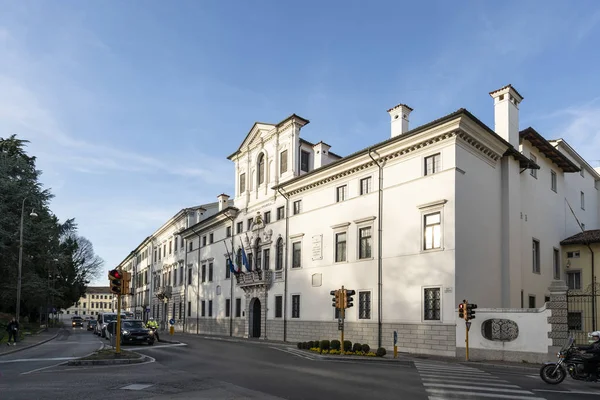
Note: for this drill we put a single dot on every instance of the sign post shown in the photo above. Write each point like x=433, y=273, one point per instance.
x=118, y=333
x=171, y=328
x=468, y=325
x=395, y=344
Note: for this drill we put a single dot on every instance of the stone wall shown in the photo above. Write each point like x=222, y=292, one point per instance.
x=214, y=326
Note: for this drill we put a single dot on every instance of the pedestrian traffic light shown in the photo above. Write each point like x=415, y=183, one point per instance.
x=115, y=278
x=471, y=311
x=461, y=310
x=348, y=298
x=336, y=298
x=126, y=282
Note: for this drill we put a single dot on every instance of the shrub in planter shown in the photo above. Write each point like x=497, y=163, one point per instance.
x=335, y=344
x=357, y=347
x=311, y=344
x=366, y=348
x=347, y=345
x=316, y=342
x=300, y=346
x=380, y=352
x=305, y=345
x=325, y=344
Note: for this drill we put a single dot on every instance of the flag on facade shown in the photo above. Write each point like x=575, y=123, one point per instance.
x=245, y=260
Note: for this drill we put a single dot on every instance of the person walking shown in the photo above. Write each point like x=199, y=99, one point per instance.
x=13, y=329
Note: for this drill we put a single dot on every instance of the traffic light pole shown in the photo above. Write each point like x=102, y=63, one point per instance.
x=467, y=326
x=342, y=315
x=118, y=333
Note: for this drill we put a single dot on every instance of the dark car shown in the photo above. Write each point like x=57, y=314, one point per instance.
x=133, y=331
x=77, y=322
x=91, y=324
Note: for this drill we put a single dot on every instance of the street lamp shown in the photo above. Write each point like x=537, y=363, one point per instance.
x=33, y=215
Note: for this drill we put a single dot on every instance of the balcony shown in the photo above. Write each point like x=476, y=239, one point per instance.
x=254, y=279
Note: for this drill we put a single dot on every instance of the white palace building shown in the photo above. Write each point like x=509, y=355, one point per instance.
x=447, y=211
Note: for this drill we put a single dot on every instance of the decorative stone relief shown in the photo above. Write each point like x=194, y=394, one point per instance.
x=503, y=330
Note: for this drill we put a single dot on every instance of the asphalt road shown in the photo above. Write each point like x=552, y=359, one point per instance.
x=217, y=369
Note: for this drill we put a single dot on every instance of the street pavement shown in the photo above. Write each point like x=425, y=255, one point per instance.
x=219, y=369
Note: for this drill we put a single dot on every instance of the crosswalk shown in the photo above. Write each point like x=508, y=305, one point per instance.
x=454, y=381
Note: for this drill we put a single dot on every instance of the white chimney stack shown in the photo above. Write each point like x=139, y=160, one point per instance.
x=506, y=114
x=399, y=116
x=222, y=201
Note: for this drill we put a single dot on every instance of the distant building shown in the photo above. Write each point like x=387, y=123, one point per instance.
x=415, y=223
x=96, y=300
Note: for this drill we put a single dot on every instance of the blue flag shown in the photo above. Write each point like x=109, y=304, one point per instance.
x=245, y=260
x=231, y=267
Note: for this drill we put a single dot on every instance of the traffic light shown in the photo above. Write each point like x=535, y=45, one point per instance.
x=471, y=311
x=348, y=298
x=336, y=299
x=461, y=310
x=115, y=278
x=126, y=282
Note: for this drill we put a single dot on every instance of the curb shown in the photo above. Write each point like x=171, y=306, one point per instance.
x=168, y=341
x=139, y=360
x=28, y=347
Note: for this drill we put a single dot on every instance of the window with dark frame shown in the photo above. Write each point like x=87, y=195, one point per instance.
x=295, y=306
x=238, y=308
x=211, y=238
x=280, y=213
x=364, y=305
x=266, y=259
x=340, y=193
x=531, y=301
x=432, y=307
x=279, y=255
x=432, y=164
x=210, y=303
x=365, y=243
x=203, y=273
x=365, y=185
x=297, y=207
x=340, y=247
x=304, y=160
x=227, y=269
x=261, y=169
x=267, y=217
x=203, y=308
x=296, y=255
x=556, y=263
x=227, y=308
x=189, y=282
x=210, y=272
x=432, y=231
x=283, y=162
x=574, y=280
x=189, y=311
x=228, y=231
x=553, y=180
x=240, y=227
x=278, y=306
x=242, y=183
x=535, y=253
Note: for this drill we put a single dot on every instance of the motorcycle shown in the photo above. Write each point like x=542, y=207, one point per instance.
x=569, y=359
x=154, y=332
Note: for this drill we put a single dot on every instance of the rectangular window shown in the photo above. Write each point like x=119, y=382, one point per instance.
x=297, y=207
x=365, y=185
x=227, y=269
x=240, y=227
x=211, y=238
x=249, y=222
x=582, y=196
x=203, y=309
x=432, y=306
x=533, y=171
x=283, y=159
x=304, y=157
x=433, y=231
x=574, y=280
x=365, y=244
x=182, y=242
x=228, y=231
x=242, y=183
x=170, y=247
x=228, y=307
x=531, y=301
x=203, y=273
x=296, y=254
x=203, y=241
x=340, y=193
x=432, y=164
x=278, y=306
x=340, y=247
x=210, y=308
x=180, y=309
x=181, y=278
x=191, y=246
x=267, y=218
x=364, y=305
x=266, y=259
x=535, y=252
x=556, y=263
x=280, y=213
x=189, y=282
x=238, y=308
x=295, y=306
x=553, y=180
x=573, y=254
x=189, y=313
x=176, y=241
x=210, y=272
x=575, y=321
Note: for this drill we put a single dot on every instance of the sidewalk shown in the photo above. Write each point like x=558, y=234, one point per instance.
x=402, y=357
x=30, y=341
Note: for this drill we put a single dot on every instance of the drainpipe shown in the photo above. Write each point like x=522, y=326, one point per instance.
x=285, y=264
x=380, y=165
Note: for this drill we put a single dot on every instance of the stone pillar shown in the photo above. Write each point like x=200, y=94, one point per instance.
x=558, y=306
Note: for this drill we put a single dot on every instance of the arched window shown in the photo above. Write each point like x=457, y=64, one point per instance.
x=261, y=169
x=258, y=253
x=279, y=255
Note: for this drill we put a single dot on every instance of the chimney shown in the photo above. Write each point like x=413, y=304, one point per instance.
x=222, y=201
x=321, y=154
x=399, y=116
x=506, y=114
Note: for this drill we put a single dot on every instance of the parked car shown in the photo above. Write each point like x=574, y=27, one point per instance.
x=91, y=325
x=77, y=322
x=132, y=331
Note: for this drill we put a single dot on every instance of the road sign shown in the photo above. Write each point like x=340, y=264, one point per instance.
x=147, y=309
x=395, y=337
x=468, y=325
x=172, y=321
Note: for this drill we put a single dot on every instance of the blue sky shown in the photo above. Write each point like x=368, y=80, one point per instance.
x=133, y=106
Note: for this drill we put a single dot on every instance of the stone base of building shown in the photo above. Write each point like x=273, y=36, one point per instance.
x=504, y=355
x=213, y=326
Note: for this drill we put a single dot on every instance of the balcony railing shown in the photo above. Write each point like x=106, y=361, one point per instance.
x=254, y=278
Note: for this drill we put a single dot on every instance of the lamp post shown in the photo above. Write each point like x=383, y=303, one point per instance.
x=32, y=214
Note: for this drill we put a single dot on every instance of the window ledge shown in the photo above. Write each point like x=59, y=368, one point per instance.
x=365, y=259
x=432, y=250
x=296, y=236
x=363, y=220
x=432, y=204
x=342, y=225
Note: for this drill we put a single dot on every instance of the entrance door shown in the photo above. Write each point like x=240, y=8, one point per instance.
x=255, y=320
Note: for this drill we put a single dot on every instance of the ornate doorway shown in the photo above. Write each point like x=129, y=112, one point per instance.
x=255, y=318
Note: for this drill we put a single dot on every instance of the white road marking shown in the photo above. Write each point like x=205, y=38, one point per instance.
x=136, y=386
x=289, y=351
x=566, y=391
x=442, y=392
x=37, y=359
x=160, y=346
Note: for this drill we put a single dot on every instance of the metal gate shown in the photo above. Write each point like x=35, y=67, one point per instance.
x=582, y=316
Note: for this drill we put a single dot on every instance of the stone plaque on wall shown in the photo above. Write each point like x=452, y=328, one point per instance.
x=317, y=280
x=317, y=247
